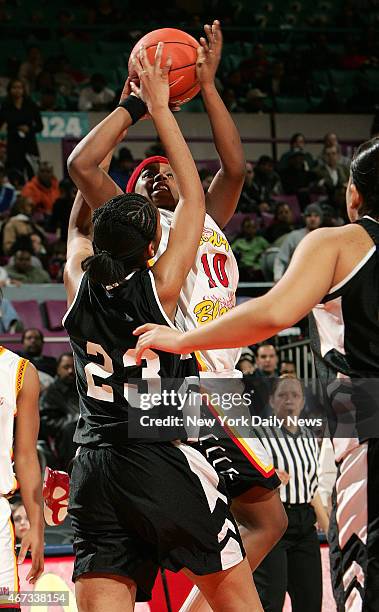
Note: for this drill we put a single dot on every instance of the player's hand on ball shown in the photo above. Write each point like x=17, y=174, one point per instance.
x=209, y=53
x=159, y=337
x=153, y=80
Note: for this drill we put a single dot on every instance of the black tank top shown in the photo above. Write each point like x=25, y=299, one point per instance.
x=100, y=323
x=344, y=333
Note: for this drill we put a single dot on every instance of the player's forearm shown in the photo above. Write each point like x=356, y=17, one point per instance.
x=225, y=134
x=98, y=144
x=181, y=161
x=28, y=474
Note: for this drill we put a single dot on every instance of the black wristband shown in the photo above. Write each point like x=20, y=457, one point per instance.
x=135, y=107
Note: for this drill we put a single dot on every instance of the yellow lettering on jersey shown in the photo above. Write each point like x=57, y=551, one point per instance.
x=207, y=310
x=214, y=238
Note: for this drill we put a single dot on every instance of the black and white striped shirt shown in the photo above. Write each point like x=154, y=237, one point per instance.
x=297, y=454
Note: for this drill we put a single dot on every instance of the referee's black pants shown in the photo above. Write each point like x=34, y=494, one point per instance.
x=293, y=565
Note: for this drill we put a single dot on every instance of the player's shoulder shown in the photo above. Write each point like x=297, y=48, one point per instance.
x=341, y=236
x=323, y=236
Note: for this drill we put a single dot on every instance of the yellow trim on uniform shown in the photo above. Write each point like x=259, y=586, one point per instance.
x=20, y=374
x=16, y=586
x=2, y=350
x=237, y=439
x=202, y=365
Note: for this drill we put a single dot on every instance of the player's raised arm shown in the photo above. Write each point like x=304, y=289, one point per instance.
x=188, y=221
x=79, y=238
x=224, y=192
x=85, y=162
x=260, y=318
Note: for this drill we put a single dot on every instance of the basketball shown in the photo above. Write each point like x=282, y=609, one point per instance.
x=182, y=49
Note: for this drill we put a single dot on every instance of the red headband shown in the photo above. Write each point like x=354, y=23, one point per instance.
x=155, y=159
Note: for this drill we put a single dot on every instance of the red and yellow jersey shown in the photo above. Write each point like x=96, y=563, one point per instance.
x=12, y=371
x=208, y=291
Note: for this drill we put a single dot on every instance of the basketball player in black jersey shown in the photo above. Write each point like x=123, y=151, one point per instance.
x=136, y=504
x=335, y=272
x=256, y=503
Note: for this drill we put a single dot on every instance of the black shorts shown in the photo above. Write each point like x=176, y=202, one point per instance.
x=148, y=506
x=243, y=462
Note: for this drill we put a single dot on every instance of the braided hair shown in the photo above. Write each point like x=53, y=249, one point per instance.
x=122, y=229
x=365, y=176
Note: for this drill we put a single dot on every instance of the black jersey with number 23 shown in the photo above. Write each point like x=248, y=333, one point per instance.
x=100, y=323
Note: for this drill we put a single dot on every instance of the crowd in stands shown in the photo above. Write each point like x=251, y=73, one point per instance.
x=73, y=55
x=281, y=202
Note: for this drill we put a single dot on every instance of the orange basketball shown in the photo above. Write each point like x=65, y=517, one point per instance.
x=182, y=49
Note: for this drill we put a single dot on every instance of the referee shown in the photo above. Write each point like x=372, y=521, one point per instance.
x=294, y=564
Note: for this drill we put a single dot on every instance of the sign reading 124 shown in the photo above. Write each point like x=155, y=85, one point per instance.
x=63, y=125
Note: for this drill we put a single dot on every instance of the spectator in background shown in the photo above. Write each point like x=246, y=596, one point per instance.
x=255, y=101
x=266, y=182
x=32, y=343
x=313, y=220
x=248, y=201
x=248, y=249
x=66, y=76
x=20, y=520
x=287, y=368
x=23, y=121
x=9, y=319
x=42, y=189
x=8, y=193
x=263, y=378
x=46, y=94
x=282, y=224
x=31, y=68
x=122, y=166
x=25, y=243
x=331, y=140
x=60, y=411
x=57, y=261
x=23, y=270
x=332, y=174
x=231, y=102
x=266, y=361
x=19, y=224
x=60, y=214
x=296, y=177
x=276, y=83
x=38, y=247
x=297, y=143
x=97, y=96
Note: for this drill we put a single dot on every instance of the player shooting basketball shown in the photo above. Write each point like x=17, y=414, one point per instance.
x=209, y=290
x=125, y=490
